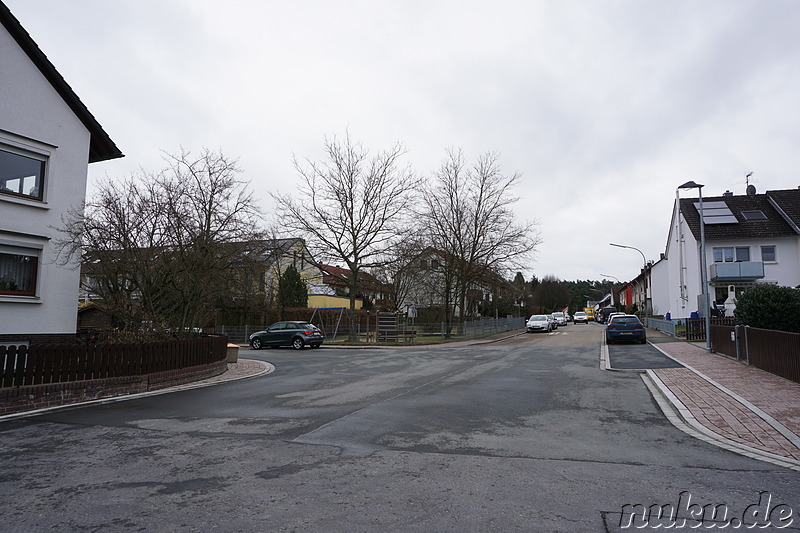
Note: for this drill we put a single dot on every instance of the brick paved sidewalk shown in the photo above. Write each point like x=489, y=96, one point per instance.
x=741, y=403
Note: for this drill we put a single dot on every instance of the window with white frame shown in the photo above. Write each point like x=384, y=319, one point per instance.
x=768, y=254
x=731, y=254
x=21, y=173
x=19, y=268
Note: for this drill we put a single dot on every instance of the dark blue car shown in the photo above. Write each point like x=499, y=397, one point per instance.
x=625, y=328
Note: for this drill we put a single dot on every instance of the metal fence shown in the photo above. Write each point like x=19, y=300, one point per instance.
x=692, y=329
x=407, y=331
x=665, y=326
x=59, y=363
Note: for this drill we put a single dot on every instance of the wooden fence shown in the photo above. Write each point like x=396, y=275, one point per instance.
x=777, y=352
x=696, y=327
x=59, y=363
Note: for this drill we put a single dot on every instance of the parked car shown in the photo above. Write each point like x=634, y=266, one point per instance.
x=561, y=318
x=538, y=323
x=580, y=318
x=602, y=315
x=625, y=328
x=294, y=334
x=553, y=323
x=613, y=314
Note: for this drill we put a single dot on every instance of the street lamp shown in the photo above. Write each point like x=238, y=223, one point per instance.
x=612, y=286
x=703, y=272
x=646, y=284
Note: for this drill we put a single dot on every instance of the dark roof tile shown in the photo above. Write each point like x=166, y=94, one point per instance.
x=775, y=225
x=788, y=204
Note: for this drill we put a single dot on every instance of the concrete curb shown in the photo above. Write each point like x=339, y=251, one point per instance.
x=267, y=368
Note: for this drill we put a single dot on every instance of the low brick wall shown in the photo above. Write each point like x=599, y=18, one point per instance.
x=31, y=397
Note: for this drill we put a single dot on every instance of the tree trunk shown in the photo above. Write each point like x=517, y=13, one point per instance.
x=353, y=334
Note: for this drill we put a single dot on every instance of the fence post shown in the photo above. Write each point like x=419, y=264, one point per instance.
x=746, y=346
x=736, y=341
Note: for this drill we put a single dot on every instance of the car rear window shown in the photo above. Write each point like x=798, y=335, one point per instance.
x=625, y=320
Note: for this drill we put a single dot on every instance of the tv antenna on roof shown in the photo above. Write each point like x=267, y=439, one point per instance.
x=751, y=190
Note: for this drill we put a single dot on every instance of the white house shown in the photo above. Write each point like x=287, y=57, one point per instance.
x=752, y=238
x=47, y=139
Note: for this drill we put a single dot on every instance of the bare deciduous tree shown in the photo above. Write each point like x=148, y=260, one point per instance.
x=467, y=215
x=349, y=206
x=163, y=247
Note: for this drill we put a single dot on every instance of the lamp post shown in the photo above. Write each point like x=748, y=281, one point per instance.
x=703, y=271
x=646, y=284
x=612, y=286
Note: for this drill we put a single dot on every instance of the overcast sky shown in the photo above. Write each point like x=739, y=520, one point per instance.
x=604, y=107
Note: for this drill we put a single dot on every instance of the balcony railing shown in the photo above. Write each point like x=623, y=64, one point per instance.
x=745, y=270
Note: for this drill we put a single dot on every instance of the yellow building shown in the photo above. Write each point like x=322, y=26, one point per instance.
x=327, y=301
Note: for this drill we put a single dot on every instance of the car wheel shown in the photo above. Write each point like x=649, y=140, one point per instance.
x=256, y=343
x=643, y=341
x=297, y=343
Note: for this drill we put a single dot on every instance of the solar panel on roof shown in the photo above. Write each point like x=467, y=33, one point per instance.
x=716, y=213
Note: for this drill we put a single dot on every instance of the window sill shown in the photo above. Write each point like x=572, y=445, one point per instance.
x=24, y=201
x=6, y=298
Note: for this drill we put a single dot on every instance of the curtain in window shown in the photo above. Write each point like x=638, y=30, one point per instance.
x=17, y=274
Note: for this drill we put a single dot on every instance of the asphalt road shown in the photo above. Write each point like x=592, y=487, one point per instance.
x=523, y=435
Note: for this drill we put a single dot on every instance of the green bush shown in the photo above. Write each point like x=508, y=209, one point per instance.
x=769, y=307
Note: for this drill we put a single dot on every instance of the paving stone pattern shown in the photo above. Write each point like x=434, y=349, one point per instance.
x=724, y=414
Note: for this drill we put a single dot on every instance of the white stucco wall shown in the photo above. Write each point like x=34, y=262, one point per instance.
x=682, y=253
x=786, y=270
x=34, y=118
x=659, y=288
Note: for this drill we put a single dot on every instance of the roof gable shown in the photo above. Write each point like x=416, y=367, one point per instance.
x=101, y=147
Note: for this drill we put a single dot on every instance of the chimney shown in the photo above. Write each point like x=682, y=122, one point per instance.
x=727, y=193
